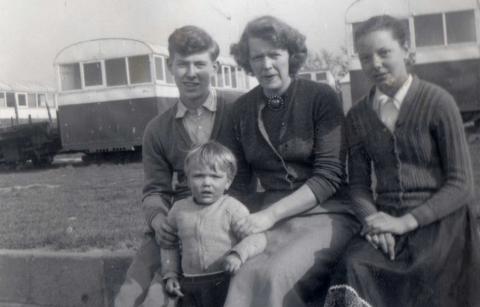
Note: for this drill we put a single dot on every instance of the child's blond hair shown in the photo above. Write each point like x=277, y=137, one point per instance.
x=213, y=155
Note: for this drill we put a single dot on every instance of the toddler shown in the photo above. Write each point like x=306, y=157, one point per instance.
x=210, y=248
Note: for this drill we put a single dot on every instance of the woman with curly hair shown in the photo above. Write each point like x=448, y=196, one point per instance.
x=287, y=132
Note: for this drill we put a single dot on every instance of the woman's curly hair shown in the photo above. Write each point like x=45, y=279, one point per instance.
x=276, y=32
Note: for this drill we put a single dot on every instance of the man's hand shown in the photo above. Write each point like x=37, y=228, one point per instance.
x=232, y=263
x=164, y=233
x=172, y=286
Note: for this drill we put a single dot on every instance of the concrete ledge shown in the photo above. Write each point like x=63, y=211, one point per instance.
x=30, y=278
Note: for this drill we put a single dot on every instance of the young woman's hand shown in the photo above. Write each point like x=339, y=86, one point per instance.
x=232, y=263
x=382, y=222
x=254, y=223
x=384, y=241
x=172, y=286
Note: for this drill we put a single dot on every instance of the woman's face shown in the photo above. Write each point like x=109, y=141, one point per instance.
x=383, y=60
x=270, y=65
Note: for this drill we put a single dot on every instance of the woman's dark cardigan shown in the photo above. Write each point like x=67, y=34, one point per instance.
x=309, y=150
x=431, y=174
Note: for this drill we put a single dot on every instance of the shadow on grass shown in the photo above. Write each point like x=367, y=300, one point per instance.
x=75, y=160
x=72, y=241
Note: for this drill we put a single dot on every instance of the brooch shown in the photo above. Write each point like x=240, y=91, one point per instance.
x=275, y=103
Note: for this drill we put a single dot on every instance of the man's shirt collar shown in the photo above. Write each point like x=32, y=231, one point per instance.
x=210, y=104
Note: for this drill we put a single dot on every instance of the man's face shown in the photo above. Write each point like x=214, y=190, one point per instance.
x=192, y=75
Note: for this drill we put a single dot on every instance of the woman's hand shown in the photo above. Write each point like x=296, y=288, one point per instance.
x=382, y=222
x=172, y=286
x=385, y=241
x=254, y=223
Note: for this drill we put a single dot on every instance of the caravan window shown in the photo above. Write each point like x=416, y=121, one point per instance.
x=460, y=27
x=234, y=77
x=50, y=100
x=32, y=100
x=306, y=76
x=159, y=68
x=22, y=100
x=41, y=100
x=428, y=30
x=139, y=68
x=213, y=81
x=116, y=72
x=220, y=82
x=93, y=74
x=3, y=103
x=321, y=76
x=241, y=78
x=226, y=75
x=70, y=77
x=11, y=100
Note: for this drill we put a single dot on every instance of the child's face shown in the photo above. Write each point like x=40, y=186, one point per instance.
x=207, y=184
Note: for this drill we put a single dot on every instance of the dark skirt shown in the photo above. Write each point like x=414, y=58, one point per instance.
x=436, y=265
x=294, y=269
x=301, y=252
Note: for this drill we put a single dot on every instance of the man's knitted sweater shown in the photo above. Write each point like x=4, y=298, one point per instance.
x=165, y=145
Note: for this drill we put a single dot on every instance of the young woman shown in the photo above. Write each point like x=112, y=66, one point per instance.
x=419, y=244
x=288, y=132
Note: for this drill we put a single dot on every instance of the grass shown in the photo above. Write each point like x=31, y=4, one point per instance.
x=80, y=207
x=72, y=207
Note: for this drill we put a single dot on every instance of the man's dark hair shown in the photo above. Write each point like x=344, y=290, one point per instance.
x=189, y=40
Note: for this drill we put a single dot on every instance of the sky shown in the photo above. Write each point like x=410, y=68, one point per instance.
x=33, y=31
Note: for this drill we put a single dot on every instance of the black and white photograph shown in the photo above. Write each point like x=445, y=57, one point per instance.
x=239, y=153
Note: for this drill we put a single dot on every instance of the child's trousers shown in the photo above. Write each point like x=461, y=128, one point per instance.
x=204, y=290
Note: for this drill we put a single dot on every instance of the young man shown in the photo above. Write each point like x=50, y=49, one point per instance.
x=199, y=115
